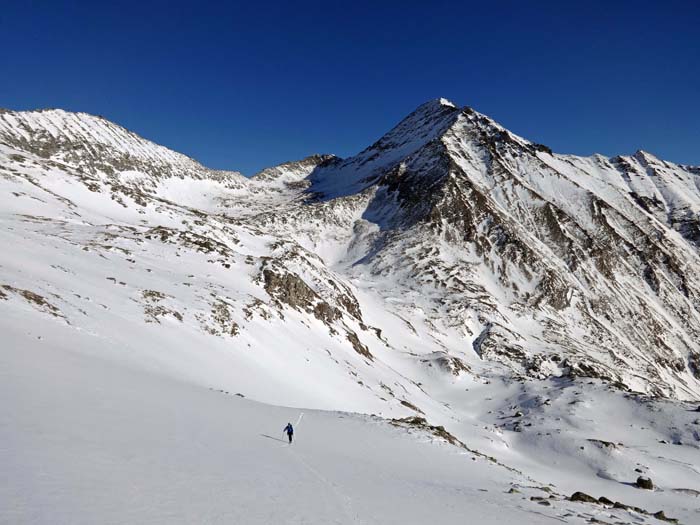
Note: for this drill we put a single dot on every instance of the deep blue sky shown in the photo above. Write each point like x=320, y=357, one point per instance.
x=239, y=86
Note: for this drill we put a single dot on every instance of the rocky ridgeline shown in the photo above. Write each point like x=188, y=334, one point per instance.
x=549, y=264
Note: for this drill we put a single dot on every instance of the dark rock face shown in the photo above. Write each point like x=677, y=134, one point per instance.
x=661, y=516
x=358, y=346
x=694, y=364
x=582, y=496
x=644, y=482
x=290, y=289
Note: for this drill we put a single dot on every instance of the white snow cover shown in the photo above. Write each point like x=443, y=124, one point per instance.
x=452, y=271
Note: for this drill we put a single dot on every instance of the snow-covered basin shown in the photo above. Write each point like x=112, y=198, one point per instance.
x=86, y=440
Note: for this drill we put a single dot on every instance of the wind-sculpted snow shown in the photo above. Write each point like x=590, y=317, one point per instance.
x=448, y=263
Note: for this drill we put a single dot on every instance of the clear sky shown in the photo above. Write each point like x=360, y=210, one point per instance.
x=245, y=85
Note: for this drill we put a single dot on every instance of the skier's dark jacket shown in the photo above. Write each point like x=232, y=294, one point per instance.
x=289, y=429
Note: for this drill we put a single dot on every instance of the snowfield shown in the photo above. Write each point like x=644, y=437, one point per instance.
x=473, y=327
x=88, y=440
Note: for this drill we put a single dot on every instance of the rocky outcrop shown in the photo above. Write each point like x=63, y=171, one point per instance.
x=644, y=482
x=291, y=290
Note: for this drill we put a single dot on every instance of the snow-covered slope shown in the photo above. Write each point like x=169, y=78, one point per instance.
x=94, y=440
x=92, y=143
x=87, y=440
x=452, y=271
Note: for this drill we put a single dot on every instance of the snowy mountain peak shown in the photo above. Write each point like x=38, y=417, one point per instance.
x=534, y=314
x=424, y=125
x=507, y=248
x=103, y=152
x=426, y=110
x=95, y=144
x=436, y=104
x=645, y=158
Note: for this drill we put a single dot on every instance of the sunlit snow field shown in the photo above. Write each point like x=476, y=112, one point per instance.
x=130, y=320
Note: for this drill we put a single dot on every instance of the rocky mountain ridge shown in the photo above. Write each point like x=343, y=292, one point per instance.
x=449, y=242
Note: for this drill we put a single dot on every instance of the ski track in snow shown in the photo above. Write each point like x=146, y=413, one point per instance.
x=345, y=502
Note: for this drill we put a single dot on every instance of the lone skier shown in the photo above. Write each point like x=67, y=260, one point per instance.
x=289, y=429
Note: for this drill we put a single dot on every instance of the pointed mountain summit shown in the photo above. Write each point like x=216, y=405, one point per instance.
x=521, y=241
x=530, y=317
x=494, y=250
x=427, y=123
